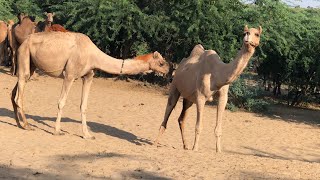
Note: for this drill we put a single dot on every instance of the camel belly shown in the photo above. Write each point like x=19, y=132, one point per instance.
x=58, y=73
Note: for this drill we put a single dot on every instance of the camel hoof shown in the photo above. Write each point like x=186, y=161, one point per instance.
x=89, y=137
x=155, y=143
x=186, y=148
x=28, y=128
x=195, y=149
x=58, y=133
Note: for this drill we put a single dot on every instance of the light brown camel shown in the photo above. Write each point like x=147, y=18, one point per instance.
x=70, y=56
x=202, y=75
x=3, y=41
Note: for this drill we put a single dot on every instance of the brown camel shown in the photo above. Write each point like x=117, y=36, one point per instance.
x=43, y=26
x=24, y=29
x=47, y=25
x=202, y=75
x=20, y=33
x=70, y=56
x=3, y=40
x=13, y=44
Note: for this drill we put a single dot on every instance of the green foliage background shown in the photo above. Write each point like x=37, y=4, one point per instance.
x=288, y=54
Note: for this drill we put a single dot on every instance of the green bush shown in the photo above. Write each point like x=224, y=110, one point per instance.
x=245, y=97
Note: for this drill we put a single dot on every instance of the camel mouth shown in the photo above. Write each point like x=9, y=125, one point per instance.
x=251, y=44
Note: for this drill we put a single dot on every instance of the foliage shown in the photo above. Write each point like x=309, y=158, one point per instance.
x=288, y=53
x=5, y=9
x=240, y=96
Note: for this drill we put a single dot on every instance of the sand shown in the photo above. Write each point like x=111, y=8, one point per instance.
x=125, y=118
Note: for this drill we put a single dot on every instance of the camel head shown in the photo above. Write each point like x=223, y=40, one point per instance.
x=251, y=37
x=49, y=18
x=20, y=17
x=158, y=63
x=10, y=22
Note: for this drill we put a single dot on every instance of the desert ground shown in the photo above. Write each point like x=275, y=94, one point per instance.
x=125, y=117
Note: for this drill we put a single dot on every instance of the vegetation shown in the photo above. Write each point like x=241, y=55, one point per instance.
x=288, y=54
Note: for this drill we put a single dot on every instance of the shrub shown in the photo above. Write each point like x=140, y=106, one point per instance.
x=245, y=97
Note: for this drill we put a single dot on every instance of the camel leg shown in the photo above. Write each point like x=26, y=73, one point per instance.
x=87, y=81
x=222, y=101
x=67, y=83
x=18, y=101
x=14, y=48
x=186, y=105
x=18, y=91
x=172, y=101
x=15, y=107
x=200, y=106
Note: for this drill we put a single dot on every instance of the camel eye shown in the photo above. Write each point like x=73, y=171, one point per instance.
x=257, y=34
x=246, y=33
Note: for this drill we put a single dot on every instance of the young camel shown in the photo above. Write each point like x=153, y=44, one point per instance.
x=70, y=56
x=202, y=75
x=47, y=25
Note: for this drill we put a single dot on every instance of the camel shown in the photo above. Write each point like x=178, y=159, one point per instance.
x=20, y=33
x=57, y=27
x=24, y=29
x=70, y=56
x=202, y=75
x=13, y=44
x=47, y=25
x=3, y=40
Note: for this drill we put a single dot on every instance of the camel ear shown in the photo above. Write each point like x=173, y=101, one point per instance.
x=155, y=54
x=53, y=14
x=260, y=29
x=45, y=13
x=246, y=28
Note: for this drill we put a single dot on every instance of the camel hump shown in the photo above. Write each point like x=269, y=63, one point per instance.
x=197, y=50
x=211, y=52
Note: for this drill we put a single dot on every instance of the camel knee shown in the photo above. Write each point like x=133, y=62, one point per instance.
x=218, y=133
x=18, y=102
x=61, y=104
x=23, y=77
x=198, y=130
x=163, y=125
x=83, y=110
x=181, y=121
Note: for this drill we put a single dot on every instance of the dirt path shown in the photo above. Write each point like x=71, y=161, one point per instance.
x=125, y=117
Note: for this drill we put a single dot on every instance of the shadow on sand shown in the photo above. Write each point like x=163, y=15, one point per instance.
x=289, y=154
x=293, y=114
x=94, y=126
x=70, y=167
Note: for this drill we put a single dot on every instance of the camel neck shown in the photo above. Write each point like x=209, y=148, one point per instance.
x=236, y=67
x=112, y=65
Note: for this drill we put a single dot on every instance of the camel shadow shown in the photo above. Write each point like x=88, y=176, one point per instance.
x=5, y=71
x=94, y=126
x=69, y=167
x=287, y=154
x=24, y=173
x=137, y=173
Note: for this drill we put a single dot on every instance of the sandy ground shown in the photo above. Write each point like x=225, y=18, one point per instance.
x=125, y=118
